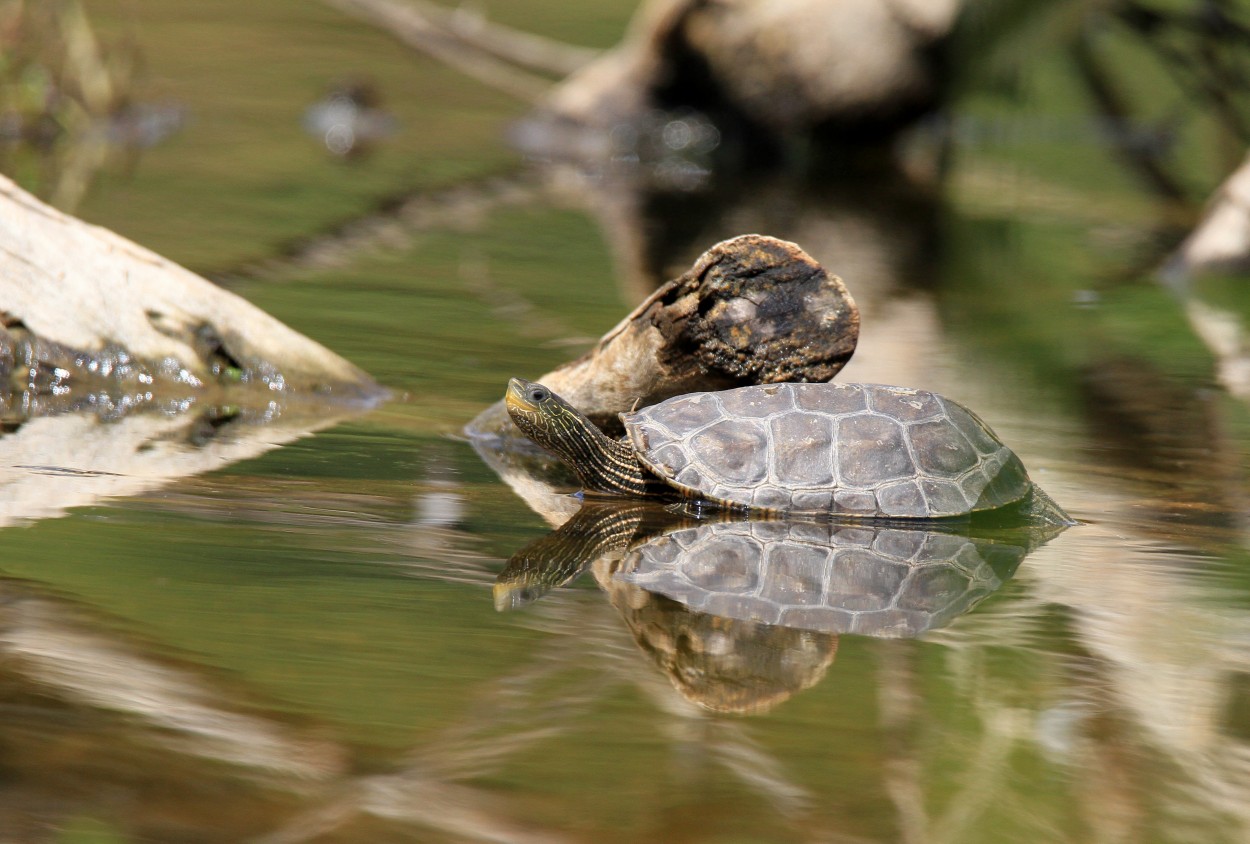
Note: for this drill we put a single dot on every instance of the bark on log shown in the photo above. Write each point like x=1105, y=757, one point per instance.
x=751, y=310
x=80, y=304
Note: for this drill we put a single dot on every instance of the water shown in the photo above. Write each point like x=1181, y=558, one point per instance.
x=288, y=633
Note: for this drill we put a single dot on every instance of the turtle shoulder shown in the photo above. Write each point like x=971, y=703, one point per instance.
x=765, y=447
x=661, y=436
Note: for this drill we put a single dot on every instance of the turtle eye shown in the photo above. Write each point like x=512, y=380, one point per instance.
x=537, y=395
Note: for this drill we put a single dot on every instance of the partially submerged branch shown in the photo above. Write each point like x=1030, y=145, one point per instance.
x=525, y=49
x=80, y=305
x=851, y=71
x=414, y=26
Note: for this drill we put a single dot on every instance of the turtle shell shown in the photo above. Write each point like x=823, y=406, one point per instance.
x=860, y=450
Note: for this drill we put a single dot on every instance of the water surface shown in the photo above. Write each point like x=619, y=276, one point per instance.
x=288, y=634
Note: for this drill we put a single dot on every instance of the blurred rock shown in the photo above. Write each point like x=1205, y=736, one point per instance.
x=842, y=70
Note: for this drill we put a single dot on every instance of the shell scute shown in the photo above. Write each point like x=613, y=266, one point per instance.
x=1008, y=481
x=941, y=449
x=973, y=428
x=902, y=500
x=685, y=414
x=771, y=498
x=690, y=477
x=734, y=450
x=855, y=537
x=729, y=568
x=803, y=447
x=899, y=545
x=905, y=405
x=872, y=450
x=766, y=401
x=809, y=501
x=932, y=588
x=860, y=580
x=944, y=497
x=854, y=502
x=671, y=460
x=834, y=399
x=794, y=575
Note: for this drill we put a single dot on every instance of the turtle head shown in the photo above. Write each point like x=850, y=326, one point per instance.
x=546, y=418
x=602, y=463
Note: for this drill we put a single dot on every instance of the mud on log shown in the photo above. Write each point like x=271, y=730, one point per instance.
x=83, y=309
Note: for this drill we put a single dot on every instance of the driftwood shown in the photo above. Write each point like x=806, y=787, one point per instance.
x=751, y=310
x=83, y=307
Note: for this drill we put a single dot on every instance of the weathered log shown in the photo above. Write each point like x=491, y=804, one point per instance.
x=80, y=304
x=752, y=310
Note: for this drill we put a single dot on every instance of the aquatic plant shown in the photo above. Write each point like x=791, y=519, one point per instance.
x=66, y=99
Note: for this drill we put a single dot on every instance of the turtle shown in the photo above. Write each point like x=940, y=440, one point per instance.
x=857, y=451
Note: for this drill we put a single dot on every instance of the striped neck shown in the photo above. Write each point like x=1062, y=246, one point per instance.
x=601, y=463
x=608, y=465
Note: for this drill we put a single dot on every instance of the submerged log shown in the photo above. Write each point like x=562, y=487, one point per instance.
x=82, y=306
x=752, y=310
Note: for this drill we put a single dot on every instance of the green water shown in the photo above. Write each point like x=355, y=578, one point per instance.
x=297, y=641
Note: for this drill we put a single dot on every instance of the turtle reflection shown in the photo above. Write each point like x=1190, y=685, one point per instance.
x=720, y=663
x=742, y=614
x=874, y=581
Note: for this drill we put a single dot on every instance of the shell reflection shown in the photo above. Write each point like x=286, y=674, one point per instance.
x=741, y=615
x=874, y=581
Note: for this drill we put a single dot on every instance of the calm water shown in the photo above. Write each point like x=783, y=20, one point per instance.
x=288, y=633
